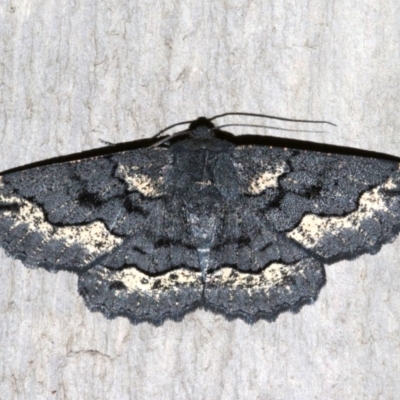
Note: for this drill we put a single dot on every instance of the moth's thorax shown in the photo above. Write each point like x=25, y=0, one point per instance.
x=204, y=166
x=202, y=142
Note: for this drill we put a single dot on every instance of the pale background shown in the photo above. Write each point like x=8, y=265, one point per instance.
x=73, y=72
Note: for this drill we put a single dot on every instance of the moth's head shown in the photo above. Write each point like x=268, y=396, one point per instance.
x=201, y=132
x=201, y=128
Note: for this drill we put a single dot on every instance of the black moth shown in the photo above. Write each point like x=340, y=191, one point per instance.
x=233, y=225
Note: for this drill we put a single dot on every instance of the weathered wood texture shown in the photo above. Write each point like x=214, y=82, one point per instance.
x=74, y=72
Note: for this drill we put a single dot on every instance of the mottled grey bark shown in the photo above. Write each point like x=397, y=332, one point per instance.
x=74, y=72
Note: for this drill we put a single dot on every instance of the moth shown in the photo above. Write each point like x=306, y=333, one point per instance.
x=239, y=226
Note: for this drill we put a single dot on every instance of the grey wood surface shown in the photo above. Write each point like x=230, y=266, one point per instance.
x=73, y=72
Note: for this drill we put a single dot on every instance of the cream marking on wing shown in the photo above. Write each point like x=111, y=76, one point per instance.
x=142, y=183
x=275, y=275
x=94, y=237
x=267, y=179
x=136, y=281
x=313, y=228
x=389, y=185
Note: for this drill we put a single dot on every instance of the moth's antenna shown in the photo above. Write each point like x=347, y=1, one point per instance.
x=243, y=114
x=266, y=127
x=176, y=134
x=170, y=127
x=271, y=117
